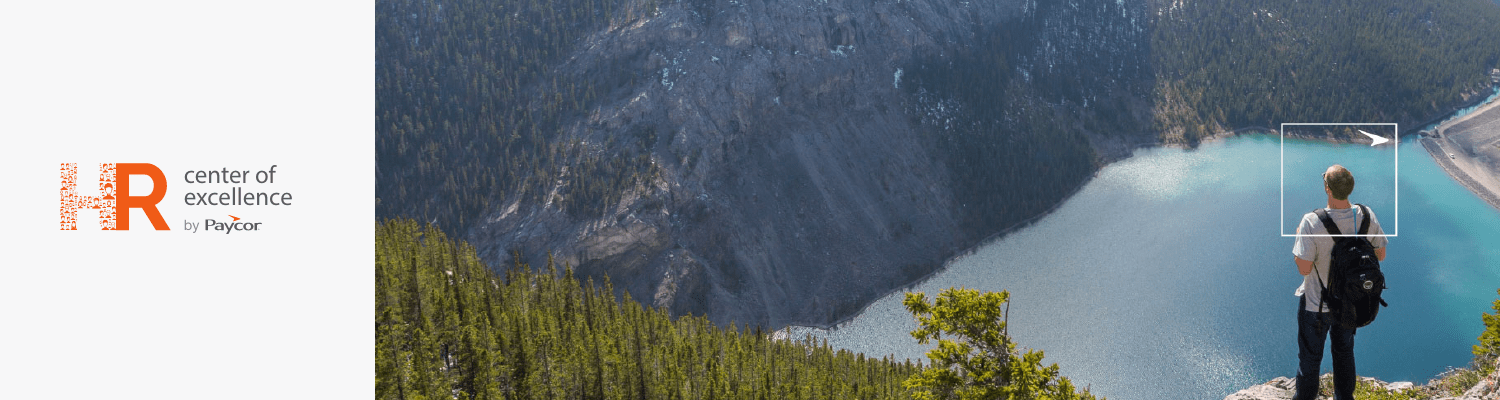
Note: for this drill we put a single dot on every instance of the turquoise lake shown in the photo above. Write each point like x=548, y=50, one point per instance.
x=1167, y=275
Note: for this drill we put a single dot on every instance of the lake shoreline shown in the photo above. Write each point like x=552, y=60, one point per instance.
x=1214, y=311
x=1458, y=173
x=1463, y=174
x=1470, y=170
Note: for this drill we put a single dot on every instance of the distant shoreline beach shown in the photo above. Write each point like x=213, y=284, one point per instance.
x=1468, y=149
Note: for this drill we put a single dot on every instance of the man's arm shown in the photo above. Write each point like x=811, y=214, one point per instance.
x=1380, y=241
x=1304, y=267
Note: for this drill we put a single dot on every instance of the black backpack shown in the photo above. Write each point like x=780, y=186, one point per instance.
x=1354, y=279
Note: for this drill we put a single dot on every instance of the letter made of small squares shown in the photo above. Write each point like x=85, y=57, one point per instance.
x=72, y=201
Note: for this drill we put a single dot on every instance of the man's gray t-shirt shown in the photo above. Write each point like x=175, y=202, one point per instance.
x=1319, y=249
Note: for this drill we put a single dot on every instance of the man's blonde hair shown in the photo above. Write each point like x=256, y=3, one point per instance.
x=1339, y=182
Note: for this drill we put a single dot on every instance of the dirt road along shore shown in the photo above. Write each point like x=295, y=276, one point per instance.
x=1468, y=149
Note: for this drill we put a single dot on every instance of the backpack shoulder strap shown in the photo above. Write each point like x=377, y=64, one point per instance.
x=1332, y=228
x=1364, y=226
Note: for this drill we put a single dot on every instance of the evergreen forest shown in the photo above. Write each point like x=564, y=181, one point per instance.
x=1224, y=65
x=466, y=111
x=448, y=327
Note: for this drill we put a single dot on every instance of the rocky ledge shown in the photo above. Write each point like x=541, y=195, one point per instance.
x=1282, y=388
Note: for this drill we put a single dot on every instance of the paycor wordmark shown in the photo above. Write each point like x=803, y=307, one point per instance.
x=228, y=227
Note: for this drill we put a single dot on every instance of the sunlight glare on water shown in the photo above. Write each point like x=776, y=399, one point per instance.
x=1165, y=277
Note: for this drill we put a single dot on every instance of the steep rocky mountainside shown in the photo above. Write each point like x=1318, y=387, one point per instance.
x=785, y=162
x=802, y=168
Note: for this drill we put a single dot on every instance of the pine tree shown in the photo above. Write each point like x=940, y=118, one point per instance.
x=1488, y=348
x=978, y=361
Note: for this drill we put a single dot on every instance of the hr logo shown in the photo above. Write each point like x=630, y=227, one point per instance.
x=114, y=196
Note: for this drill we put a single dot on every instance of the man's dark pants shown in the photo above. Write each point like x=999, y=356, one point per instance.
x=1312, y=329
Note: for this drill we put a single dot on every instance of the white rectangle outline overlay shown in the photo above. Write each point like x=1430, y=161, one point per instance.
x=1395, y=177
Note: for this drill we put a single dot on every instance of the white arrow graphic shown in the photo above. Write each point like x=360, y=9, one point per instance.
x=1376, y=139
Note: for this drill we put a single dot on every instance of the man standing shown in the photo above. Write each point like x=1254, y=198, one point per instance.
x=1312, y=255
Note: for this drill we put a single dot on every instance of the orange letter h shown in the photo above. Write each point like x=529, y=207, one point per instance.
x=72, y=202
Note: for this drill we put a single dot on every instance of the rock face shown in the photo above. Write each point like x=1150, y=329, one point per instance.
x=1282, y=388
x=1277, y=389
x=1488, y=388
x=802, y=168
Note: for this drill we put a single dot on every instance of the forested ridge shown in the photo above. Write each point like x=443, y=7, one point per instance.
x=446, y=326
x=467, y=109
x=1223, y=65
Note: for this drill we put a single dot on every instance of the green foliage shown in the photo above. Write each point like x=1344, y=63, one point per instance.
x=1489, y=342
x=469, y=109
x=1456, y=381
x=1224, y=64
x=1366, y=390
x=446, y=327
x=979, y=361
